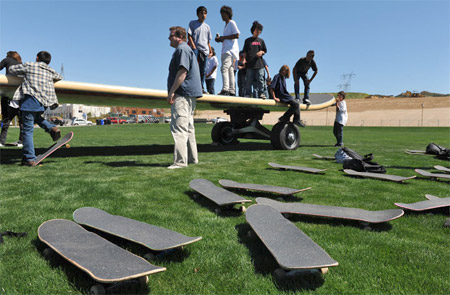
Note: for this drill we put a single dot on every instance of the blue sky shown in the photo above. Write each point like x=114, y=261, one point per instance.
x=390, y=46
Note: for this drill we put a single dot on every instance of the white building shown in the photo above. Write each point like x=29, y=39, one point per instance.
x=69, y=111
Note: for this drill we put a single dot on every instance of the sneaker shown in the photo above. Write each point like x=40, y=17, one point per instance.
x=339, y=144
x=306, y=101
x=1, y=145
x=223, y=92
x=55, y=133
x=299, y=124
x=18, y=144
x=205, y=92
x=232, y=94
x=263, y=96
x=174, y=166
x=28, y=163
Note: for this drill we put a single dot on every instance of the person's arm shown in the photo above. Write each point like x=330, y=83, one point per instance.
x=212, y=71
x=229, y=37
x=273, y=95
x=16, y=70
x=179, y=78
x=315, y=73
x=191, y=42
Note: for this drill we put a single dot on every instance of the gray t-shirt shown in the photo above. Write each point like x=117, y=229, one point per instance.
x=185, y=57
x=201, y=34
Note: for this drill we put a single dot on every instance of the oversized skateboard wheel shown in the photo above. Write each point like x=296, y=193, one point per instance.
x=324, y=270
x=143, y=281
x=279, y=274
x=223, y=133
x=97, y=290
x=285, y=136
x=242, y=209
x=67, y=146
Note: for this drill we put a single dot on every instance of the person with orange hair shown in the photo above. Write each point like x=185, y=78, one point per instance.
x=279, y=93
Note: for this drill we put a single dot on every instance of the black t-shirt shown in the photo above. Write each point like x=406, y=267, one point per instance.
x=302, y=66
x=7, y=62
x=252, y=46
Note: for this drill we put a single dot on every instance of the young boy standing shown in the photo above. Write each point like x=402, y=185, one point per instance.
x=36, y=93
x=341, y=118
x=199, y=35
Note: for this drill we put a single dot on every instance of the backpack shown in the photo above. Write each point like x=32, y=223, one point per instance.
x=440, y=152
x=361, y=163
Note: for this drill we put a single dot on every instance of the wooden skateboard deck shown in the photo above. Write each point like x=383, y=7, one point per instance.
x=333, y=212
x=260, y=187
x=327, y=158
x=104, y=261
x=62, y=141
x=291, y=248
x=153, y=237
x=442, y=168
x=432, y=203
x=432, y=175
x=388, y=177
x=218, y=195
x=297, y=168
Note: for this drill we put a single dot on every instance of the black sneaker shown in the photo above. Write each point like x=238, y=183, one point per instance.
x=299, y=124
x=306, y=101
x=223, y=92
x=28, y=163
x=339, y=144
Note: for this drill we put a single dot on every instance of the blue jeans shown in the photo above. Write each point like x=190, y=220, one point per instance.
x=210, y=85
x=257, y=76
x=297, y=87
x=202, y=59
x=29, y=119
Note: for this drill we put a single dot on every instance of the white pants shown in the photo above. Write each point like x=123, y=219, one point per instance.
x=183, y=131
x=227, y=70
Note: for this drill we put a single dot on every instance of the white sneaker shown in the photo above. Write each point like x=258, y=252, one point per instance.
x=174, y=166
x=19, y=145
x=1, y=145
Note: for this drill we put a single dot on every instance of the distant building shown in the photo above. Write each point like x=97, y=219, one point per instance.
x=69, y=111
x=127, y=111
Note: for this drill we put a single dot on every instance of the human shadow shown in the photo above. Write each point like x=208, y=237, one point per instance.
x=266, y=264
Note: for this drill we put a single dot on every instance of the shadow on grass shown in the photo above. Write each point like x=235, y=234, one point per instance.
x=81, y=280
x=265, y=264
x=222, y=211
x=12, y=156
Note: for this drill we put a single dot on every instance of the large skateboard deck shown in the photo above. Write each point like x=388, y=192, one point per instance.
x=333, y=212
x=388, y=177
x=432, y=175
x=442, y=168
x=260, y=187
x=432, y=203
x=104, y=261
x=327, y=158
x=153, y=237
x=62, y=141
x=218, y=195
x=297, y=168
x=291, y=248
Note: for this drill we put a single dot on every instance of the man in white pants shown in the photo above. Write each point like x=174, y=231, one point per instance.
x=184, y=87
x=230, y=51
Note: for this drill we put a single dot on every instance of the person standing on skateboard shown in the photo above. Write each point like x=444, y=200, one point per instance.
x=301, y=71
x=184, y=87
x=279, y=93
x=36, y=93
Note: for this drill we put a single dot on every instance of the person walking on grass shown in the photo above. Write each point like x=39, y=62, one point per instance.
x=36, y=93
x=230, y=51
x=341, y=119
x=279, y=93
x=184, y=87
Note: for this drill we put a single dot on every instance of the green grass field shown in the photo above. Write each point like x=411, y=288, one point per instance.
x=122, y=170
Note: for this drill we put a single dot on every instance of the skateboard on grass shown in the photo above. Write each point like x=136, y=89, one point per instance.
x=218, y=195
x=260, y=187
x=432, y=175
x=297, y=168
x=442, y=168
x=433, y=202
x=62, y=141
x=415, y=152
x=155, y=238
x=327, y=158
x=388, y=177
x=364, y=216
x=103, y=261
x=293, y=250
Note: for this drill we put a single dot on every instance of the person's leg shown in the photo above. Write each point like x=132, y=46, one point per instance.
x=210, y=85
x=297, y=89
x=179, y=128
x=192, y=143
x=48, y=126
x=259, y=82
x=6, y=120
x=28, y=130
x=306, y=94
x=249, y=76
x=202, y=67
x=231, y=77
x=224, y=69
